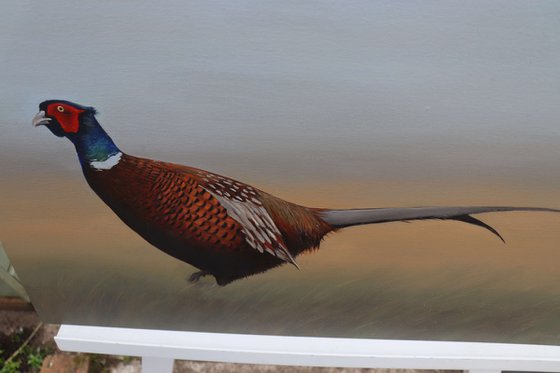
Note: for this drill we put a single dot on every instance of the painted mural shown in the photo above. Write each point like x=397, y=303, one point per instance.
x=335, y=124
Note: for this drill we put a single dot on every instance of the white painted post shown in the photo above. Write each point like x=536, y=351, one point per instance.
x=152, y=364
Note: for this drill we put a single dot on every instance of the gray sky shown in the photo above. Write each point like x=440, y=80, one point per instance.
x=293, y=90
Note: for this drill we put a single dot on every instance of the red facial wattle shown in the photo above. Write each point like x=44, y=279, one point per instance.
x=67, y=116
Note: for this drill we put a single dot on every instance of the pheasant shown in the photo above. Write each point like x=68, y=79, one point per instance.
x=223, y=227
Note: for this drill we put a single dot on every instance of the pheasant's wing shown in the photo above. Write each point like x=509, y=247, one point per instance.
x=346, y=218
x=242, y=203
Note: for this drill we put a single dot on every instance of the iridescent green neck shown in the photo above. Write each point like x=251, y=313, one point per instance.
x=92, y=142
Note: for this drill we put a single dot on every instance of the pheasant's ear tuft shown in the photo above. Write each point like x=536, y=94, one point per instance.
x=91, y=109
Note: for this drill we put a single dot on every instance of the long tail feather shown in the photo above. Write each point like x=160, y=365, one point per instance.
x=347, y=218
x=474, y=221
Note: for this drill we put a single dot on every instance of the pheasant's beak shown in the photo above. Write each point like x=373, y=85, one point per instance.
x=40, y=119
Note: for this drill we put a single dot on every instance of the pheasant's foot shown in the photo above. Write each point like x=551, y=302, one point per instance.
x=195, y=277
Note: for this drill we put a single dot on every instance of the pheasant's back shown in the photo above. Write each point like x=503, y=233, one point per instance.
x=301, y=227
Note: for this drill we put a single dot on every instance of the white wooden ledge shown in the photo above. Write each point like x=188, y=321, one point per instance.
x=159, y=348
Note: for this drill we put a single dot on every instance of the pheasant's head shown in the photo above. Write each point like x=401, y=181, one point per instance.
x=62, y=118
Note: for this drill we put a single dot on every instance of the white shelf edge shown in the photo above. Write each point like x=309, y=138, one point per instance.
x=308, y=351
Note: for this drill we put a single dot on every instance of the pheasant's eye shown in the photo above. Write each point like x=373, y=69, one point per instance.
x=60, y=108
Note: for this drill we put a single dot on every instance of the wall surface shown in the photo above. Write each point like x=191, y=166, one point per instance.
x=323, y=103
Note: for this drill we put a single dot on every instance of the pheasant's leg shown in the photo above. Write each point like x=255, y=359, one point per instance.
x=197, y=276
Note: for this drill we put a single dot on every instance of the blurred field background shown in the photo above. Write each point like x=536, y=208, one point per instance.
x=423, y=280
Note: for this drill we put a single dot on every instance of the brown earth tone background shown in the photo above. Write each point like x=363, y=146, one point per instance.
x=425, y=280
